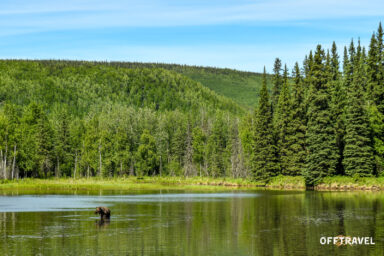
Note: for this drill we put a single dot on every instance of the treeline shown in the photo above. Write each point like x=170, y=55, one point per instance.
x=91, y=119
x=323, y=121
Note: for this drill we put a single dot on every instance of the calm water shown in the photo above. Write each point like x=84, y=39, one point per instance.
x=190, y=223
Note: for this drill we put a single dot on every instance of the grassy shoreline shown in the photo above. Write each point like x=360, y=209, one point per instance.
x=336, y=183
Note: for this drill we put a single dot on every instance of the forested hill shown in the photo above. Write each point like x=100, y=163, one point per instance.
x=240, y=86
x=68, y=118
x=84, y=85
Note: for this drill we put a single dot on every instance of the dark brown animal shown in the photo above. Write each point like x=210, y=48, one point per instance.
x=104, y=212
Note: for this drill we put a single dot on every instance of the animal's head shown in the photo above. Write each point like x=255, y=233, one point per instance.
x=99, y=210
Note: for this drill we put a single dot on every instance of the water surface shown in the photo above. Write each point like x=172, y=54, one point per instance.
x=190, y=223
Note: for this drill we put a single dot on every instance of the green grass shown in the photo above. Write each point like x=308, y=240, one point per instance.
x=287, y=182
x=132, y=183
x=194, y=183
x=244, y=90
x=351, y=183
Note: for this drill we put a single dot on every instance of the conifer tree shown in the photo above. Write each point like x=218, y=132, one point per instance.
x=62, y=145
x=320, y=137
x=335, y=63
x=198, y=144
x=373, y=67
x=282, y=118
x=378, y=89
x=264, y=162
x=45, y=144
x=375, y=76
x=277, y=82
x=296, y=153
x=307, y=75
x=146, y=157
x=338, y=103
x=358, y=153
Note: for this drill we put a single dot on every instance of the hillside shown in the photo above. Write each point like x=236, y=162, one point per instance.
x=83, y=85
x=68, y=118
x=242, y=87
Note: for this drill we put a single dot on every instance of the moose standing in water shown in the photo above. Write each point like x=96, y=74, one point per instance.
x=104, y=212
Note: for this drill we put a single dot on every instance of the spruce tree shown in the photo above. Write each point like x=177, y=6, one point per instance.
x=264, y=162
x=378, y=89
x=282, y=118
x=291, y=126
x=375, y=76
x=146, y=155
x=277, y=82
x=358, y=153
x=373, y=67
x=338, y=103
x=335, y=63
x=320, y=137
x=296, y=127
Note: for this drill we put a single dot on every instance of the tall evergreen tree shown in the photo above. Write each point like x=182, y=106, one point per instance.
x=198, y=144
x=338, y=98
x=264, y=162
x=375, y=93
x=321, y=142
x=358, y=153
x=62, y=146
x=295, y=158
x=282, y=121
x=335, y=63
x=277, y=81
x=378, y=86
x=146, y=157
x=373, y=67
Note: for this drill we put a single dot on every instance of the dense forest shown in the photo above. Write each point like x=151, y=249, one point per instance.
x=81, y=119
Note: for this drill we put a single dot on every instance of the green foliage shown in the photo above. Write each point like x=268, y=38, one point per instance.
x=292, y=137
x=320, y=137
x=198, y=144
x=242, y=87
x=264, y=160
x=283, y=119
x=358, y=153
x=146, y=157
x=277, y=81
x=84, y=86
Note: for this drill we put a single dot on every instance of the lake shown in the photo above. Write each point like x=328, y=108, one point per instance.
x=248, y=222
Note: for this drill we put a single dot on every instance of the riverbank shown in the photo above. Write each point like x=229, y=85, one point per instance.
x=134, y=183
x=339, y=183
x=343, y=183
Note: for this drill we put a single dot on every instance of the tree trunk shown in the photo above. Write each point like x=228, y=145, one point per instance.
x=1, y=163
x=131, y=169
x=100, y=166
x=5, y=161
x=74, y=172
x=161, y=166
x=57, y=167
x=14, y=162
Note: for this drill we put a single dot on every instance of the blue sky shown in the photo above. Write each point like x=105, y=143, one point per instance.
x=239, y=34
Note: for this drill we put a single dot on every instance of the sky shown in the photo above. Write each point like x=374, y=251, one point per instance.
x=239, y=34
